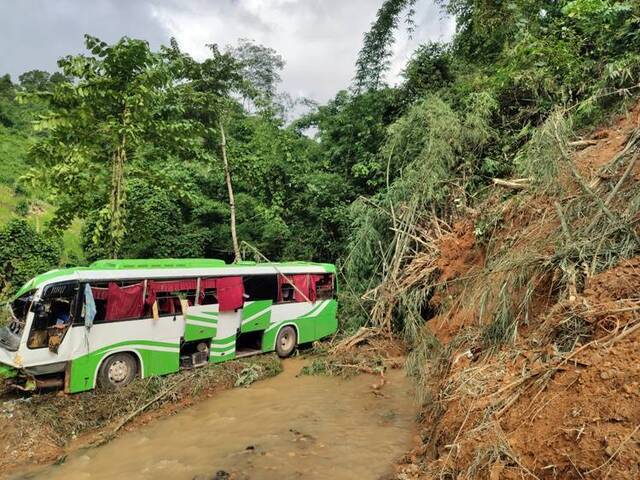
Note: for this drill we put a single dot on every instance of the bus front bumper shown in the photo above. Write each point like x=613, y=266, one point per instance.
x=7, y=372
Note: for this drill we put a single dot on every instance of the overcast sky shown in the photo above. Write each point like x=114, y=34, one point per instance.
x=319, y=39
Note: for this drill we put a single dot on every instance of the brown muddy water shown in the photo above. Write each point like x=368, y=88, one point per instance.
x=286, y=427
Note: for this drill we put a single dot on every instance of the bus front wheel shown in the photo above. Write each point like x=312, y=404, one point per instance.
x=117, y=371
x=286, y=341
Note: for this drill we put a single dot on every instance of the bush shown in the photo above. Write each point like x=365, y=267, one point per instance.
x=25, y=253
x=22, y=207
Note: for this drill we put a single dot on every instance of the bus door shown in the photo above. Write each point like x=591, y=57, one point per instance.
x=217, y=316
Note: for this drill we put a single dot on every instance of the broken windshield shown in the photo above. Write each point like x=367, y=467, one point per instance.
x=13, y=318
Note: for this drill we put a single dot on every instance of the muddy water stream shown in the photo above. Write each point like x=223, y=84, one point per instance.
x=287, y=427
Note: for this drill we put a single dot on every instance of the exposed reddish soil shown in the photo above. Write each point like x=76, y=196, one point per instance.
x=610, y=139
x=562, y=401
x=458, y=252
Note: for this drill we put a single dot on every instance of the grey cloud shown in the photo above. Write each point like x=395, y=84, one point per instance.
x=35, y=33
x=319, y=39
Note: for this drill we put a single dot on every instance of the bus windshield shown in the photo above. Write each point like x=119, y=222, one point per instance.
x=13, y=319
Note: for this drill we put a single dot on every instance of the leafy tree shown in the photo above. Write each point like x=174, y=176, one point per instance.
x=209, y=88
x=121, y=98
x=35, y=80
x=351, y=130
x=6, y=85
x=430, y=68
x=260, y=69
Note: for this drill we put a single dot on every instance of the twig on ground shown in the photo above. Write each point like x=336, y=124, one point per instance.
x=615, y=454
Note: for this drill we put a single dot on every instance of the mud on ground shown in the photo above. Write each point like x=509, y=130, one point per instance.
x=39, y=429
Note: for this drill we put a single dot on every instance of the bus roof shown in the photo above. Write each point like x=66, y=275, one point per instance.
x=163, y=264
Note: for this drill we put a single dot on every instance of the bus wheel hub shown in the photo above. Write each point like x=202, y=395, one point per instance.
x=286, y=341
x=118, y=371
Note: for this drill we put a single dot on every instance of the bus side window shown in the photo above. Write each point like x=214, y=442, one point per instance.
x=295, y=287
x=324, y=286
x=100, y=294
x=208, y=292
x=286, y=291
x=209, y=297
x=261, y=287
x=168, y=295
x=118, y=300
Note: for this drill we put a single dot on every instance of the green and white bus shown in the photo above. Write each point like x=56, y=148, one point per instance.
x=116, y=320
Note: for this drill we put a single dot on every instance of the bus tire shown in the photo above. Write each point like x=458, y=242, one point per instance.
x=117, y=371
x=286, y=341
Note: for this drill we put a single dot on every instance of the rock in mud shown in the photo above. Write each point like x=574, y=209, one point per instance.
x=219, y=475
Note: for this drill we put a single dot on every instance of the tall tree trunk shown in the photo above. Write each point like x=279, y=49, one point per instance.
x=117, y=198
x=232, y=202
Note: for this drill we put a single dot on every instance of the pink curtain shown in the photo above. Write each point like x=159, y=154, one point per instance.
x=124, y=302
x=230, y=292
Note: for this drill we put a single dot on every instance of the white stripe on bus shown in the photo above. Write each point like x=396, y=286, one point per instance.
x=256, y=315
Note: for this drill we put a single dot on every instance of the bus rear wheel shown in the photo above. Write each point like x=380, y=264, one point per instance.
x=286, y=341
x=117, y=371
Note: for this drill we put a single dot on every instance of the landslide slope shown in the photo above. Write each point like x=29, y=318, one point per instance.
x=530, y=365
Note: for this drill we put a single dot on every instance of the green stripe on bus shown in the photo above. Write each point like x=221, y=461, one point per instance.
x=212, y=321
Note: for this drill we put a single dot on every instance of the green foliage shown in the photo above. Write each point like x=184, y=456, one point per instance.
x=260, y=69
x=428, y=70
x=493, y=103
x=248, y=375
x=129, y=140
x=351, y=131
x=25, y=253
x=429, y=149
x=22, y=207
x=373, y=59
x=40, y=81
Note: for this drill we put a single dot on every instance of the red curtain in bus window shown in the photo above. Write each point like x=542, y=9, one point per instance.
x=154, y=286
x=300, y=283
x=281, y=281
x=313, y=280
x=124, y=302
x=100, y=293
x=301, y=290
x=230, y=293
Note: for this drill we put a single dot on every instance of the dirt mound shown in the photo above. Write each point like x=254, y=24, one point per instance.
x=536, y=369
x=617, y=283
x=458, y=253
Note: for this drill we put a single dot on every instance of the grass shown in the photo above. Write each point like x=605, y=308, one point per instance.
x=13, y=155
x=8, y=202
x=13, y=164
